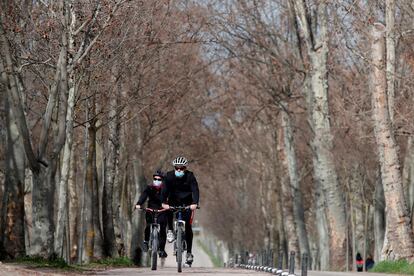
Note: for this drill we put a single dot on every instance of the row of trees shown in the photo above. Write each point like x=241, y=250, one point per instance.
x=294, y=115
x=92, y=93
x=310, y=98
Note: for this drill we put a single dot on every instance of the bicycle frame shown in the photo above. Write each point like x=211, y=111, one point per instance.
x=179, y=230
x=154, y=235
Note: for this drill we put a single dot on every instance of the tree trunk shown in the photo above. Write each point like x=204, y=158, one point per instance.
x=408, y=177
x=85, y=202
x=89, y=204
x=12, y=225
x=93, y=232
x=379, y=217
x=322, y=229
x=43, y=211
x=111, y=160
x=73, y=206
x=137, y=223
x=324, y=166
x=65, y=170
x=298, y=212
x=287, y=200
x=390, y=41
x=399, y=240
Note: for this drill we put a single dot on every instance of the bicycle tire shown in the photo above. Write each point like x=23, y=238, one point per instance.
x=154, y=251
x=179, y=256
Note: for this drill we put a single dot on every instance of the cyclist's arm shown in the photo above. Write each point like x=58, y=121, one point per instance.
x=143, y=197
x=165, y=192
x=194, y=189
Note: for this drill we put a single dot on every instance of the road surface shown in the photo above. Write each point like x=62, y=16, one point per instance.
x=12, y=270
x=202, y=266
x=218, y=272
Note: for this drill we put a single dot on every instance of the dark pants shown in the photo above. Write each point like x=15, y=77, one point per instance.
x=188, y=229
x=162, y=221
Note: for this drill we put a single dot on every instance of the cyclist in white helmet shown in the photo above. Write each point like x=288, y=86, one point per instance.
x=181, y=189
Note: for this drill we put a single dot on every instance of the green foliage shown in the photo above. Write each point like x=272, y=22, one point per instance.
x=60, y=264
x=214, y=259
x=42, y=262
x=121, y=261
x=394, y=267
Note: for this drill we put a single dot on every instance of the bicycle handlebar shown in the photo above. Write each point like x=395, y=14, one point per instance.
x=181, y=208
x=153, y=210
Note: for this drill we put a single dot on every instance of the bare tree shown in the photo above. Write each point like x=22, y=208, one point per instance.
x=399, y=240
x=317, y=49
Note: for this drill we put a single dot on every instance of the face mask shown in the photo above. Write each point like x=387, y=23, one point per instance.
x=157, y=183
x=179, y=173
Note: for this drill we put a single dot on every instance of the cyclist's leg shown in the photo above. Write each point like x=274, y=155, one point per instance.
x=170, y=219
x=162, y=220
x=148, y=219
x=188, y=230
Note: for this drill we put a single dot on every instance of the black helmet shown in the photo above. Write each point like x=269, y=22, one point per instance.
x=158, y=173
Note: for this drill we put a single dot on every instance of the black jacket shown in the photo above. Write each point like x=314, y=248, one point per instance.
x=153, y=195
x=180, y=191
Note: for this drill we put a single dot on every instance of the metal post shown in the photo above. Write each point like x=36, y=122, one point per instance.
x=280, y=261
x=271, y=263
x=304, y=264
x=263, y=257
x=292, y=263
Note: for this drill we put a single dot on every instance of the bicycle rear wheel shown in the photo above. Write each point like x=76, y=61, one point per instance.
x=179, y=244
x=154, y=250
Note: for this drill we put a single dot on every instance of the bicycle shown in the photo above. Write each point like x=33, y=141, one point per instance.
x=179, y=231
x=154, y=236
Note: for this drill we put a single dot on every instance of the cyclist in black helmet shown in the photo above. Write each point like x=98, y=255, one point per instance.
x=181, y=189
x=153, y=193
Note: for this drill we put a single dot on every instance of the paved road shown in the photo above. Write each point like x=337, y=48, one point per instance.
x=327, y=273
x=11, y=270
x=202, y=266
x=218, y=272
x=201, y=259
x=193, y=271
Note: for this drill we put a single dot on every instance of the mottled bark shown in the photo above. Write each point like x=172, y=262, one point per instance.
x=379, y=217
x=65, y=170
x=357, y=210
x=390, y=42
x=287, y=200
x=84, y=206
x=9, y=77
x=408, y=177
x=137, y=222
x=93, y=231
x=67, y=81
x=73, y=205
x=322, y=228
x=111, y=161
x=399, y=239
x=12, y=225
x=43, y=211
x=89, y=190
x=296, y=191
x=322, y=142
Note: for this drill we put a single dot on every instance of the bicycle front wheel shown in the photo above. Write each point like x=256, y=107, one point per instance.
x=154, y=250
x=179, y=244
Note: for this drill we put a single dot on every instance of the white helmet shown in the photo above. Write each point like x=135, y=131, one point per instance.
x=180, y=161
